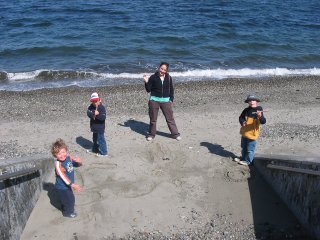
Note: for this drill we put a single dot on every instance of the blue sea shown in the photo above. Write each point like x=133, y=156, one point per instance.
x=51, y=44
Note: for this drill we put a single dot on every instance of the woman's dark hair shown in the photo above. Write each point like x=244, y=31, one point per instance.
x=164, y=63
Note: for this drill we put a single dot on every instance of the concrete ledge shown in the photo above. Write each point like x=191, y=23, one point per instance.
x=297, y=181
x=20, y=187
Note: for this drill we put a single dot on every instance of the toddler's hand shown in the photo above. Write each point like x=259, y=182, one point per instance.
x=76, y=187
x=77, y=160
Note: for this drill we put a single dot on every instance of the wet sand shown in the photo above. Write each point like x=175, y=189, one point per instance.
x=165, y=188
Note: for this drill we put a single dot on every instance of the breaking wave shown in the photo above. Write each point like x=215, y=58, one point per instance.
x=61, y=78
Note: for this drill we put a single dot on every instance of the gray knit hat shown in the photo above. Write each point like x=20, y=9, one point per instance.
x=251, y=97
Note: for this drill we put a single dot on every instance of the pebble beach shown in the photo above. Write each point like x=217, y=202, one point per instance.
x=166, y=189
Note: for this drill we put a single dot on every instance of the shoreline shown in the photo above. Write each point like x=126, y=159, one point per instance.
x=120, y=98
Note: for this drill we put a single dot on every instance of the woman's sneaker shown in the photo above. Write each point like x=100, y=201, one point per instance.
x=149, y=138
x=178, y=138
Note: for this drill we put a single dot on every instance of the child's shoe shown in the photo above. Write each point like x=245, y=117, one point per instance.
x=243, y=163
x=90, y=151
x=100, y=155
x=71, y=215
x=236, y=159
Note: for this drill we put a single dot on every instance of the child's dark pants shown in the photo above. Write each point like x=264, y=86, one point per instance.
x=67, y=200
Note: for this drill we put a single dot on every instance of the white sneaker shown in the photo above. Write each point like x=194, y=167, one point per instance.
x=72, y=215
x=178, y=138
x=89, y=151
x=149, y=138
x=243, y=163
x=236, y=159
x=100, y=155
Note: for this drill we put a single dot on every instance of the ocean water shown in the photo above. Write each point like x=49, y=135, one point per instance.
x=49, y=44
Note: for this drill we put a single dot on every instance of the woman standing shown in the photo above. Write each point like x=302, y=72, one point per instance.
x=161, y=90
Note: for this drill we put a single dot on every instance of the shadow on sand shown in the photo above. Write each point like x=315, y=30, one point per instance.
x=271, y=217
x=83, y=142
x=141, y=127
x=52, y=194
x=217, y=149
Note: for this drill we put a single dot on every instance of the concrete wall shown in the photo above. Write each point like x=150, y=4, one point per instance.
x=297, y=181
x=19, y=195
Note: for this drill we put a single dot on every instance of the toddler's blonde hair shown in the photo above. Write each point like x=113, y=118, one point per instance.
x=57, y=146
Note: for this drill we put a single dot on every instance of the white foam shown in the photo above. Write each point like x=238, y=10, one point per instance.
x=24, y=76
x=196, y=74
x=245, y=72
x=225, y=73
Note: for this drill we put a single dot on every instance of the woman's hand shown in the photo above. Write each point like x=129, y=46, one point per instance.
x=145, y=78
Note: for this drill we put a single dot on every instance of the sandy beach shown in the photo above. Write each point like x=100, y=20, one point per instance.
x=165, y=188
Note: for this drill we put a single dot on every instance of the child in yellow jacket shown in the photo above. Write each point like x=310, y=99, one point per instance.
x=250, y=120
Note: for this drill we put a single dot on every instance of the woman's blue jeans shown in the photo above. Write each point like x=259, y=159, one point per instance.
x=248, y=149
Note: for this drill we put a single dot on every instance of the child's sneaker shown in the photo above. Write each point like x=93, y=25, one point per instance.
x=90, y=151
x=71, y=215
x=243, y=163
x=100, y=155
x=178, y=138
x=236, y=159
x=149, y=138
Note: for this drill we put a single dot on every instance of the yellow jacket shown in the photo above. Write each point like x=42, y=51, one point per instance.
x=251, y=129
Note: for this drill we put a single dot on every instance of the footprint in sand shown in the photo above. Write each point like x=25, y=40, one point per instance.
x=96, y=175
x=236, y=175
x=129, y=189
x=88, y=196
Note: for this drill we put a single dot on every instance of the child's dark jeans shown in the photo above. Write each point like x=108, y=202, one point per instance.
x=67, y=200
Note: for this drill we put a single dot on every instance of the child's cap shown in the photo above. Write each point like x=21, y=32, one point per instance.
x=94, y=97
x=251, y=97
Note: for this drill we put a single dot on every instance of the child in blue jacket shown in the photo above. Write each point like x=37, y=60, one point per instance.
x=97, y=114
